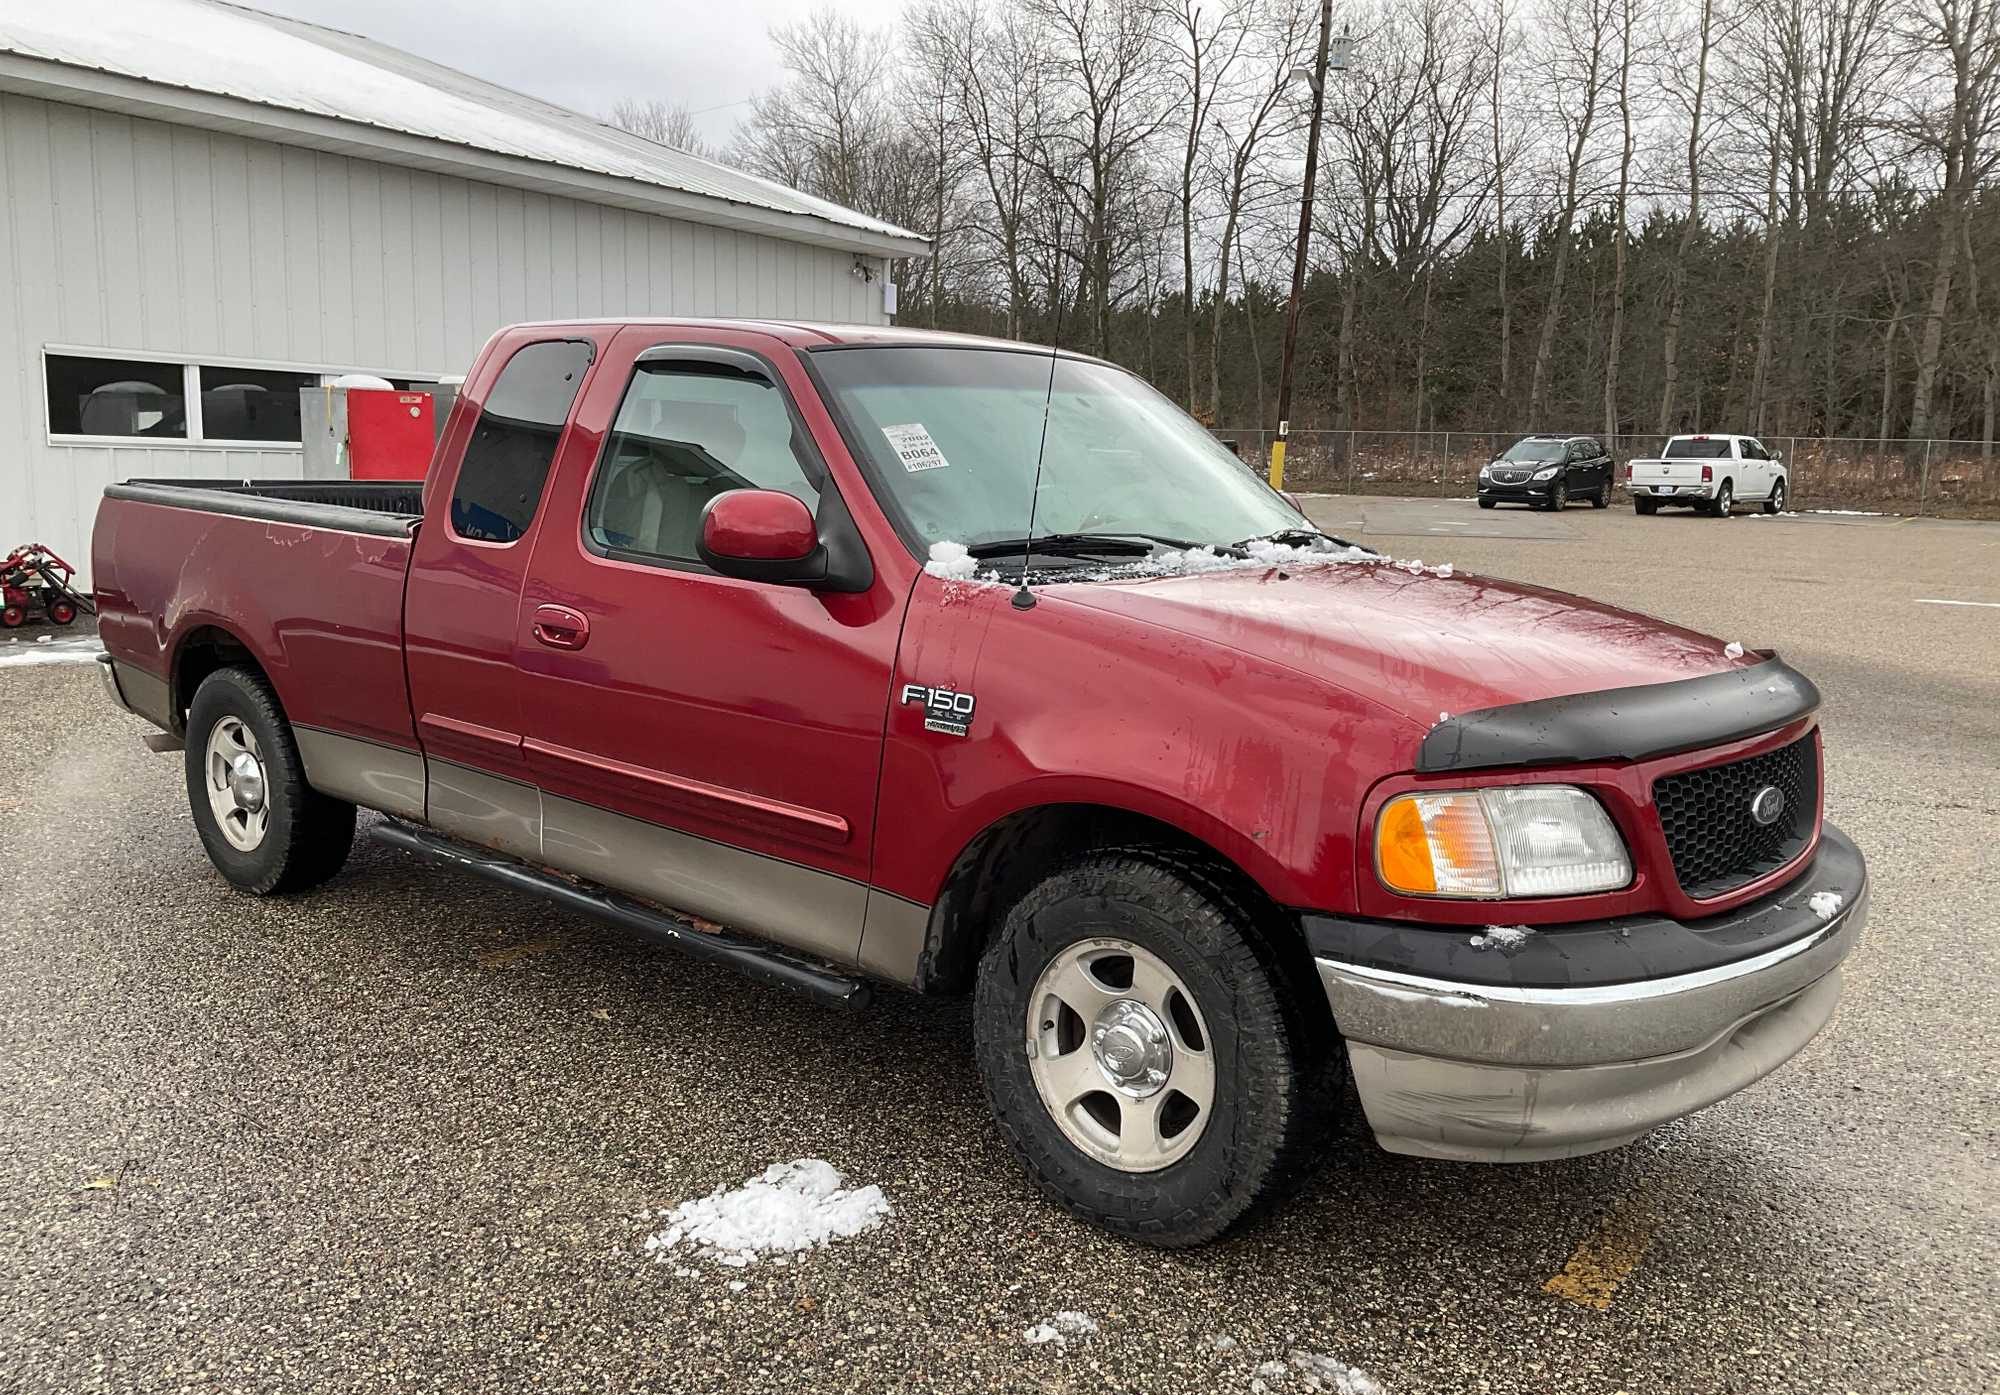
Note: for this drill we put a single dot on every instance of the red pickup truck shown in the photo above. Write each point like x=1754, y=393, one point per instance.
x=733, y=634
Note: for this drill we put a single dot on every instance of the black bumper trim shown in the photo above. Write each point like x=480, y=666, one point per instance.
x=1655, y=719
x=1598, y=953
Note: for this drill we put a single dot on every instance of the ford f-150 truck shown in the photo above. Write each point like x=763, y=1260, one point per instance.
x=1709, y=473
x=738, y=635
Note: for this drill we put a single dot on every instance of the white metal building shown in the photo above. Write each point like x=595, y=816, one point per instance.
x=204, y=208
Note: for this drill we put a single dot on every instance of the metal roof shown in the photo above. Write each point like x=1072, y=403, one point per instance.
x=307, y=84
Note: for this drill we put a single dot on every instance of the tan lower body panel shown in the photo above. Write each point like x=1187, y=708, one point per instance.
x=802, y=907
x=363, y=772
x=782, y=901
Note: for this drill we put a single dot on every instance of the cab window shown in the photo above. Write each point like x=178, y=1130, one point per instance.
x=506, y=463
x=686, y=432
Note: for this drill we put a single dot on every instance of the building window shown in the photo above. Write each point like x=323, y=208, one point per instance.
x=117, y=397
x=251, y=404
x=507, y=460
x=104, y=398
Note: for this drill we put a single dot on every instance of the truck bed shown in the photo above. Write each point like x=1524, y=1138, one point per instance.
x=307, y=575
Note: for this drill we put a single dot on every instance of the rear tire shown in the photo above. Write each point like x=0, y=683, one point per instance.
x=61, y=613
x=1725, y=501
x=1645, y=506
x=1602, y=498
x=1242, y=1063
x=265, y=829
x=13, y=617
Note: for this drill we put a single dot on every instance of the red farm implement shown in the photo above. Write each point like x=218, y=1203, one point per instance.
x=32, y=578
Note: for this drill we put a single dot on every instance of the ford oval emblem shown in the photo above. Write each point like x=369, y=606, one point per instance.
x=1767, y=806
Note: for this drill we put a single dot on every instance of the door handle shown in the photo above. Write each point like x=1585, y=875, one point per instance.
x=559, y=627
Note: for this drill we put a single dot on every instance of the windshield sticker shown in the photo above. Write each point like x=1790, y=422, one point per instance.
x=915, y=447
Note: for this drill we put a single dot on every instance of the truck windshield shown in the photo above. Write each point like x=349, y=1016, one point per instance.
x=1697, y=448
x=952, y=436
x=1535, y=450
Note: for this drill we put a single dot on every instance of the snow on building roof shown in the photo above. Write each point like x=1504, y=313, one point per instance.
x=305, y=75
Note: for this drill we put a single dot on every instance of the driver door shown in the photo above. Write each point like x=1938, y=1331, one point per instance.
x=709, y=743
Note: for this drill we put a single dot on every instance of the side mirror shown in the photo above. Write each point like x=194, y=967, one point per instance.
x=761, y=535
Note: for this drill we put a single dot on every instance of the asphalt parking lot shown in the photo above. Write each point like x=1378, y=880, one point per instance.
x=404, y=1133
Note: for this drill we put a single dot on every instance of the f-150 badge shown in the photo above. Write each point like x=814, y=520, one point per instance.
x=944, y=710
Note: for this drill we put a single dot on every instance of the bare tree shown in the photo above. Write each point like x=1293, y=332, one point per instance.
x=1253, y=115
x=1958, y=131
x=1573, y=60
x=1670, y=345
x=667, y=123
x=1615, y=338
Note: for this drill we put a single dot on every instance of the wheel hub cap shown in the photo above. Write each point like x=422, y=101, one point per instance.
x=1132, y=1048
x=246, y=783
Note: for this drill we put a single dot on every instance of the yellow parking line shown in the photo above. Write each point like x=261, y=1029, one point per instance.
x=1606, y=1257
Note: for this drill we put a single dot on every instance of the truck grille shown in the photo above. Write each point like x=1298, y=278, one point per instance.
x=1715, y=843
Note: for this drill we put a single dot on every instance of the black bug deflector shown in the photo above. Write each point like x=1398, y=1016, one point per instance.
x=1656, y=719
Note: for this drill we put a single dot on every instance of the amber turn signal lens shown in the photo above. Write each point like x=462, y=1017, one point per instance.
x=1437, y=845
x=1402, y=851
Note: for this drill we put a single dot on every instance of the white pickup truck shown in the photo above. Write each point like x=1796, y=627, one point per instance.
x=1709, y=473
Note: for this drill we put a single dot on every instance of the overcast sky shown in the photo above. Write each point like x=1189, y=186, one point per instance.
x=704, y=54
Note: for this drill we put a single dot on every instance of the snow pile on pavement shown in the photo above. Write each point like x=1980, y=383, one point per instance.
x=1060, y=1329
x=1825, y=904
x=793, y=1206
x=951, y=562
x=47, y=649
x=1325, y=1373
x=1502, y=937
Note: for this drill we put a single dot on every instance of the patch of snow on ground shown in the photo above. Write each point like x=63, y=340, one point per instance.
x=951, y=562
x=1502, y=937
x=798, y=1205
x=1825, y=904
x=1060, y=1329
x=1732, y=650
x=47, y=649
x=1325, y=1373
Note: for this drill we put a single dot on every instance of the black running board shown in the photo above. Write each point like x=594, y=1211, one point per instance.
x=749, y=957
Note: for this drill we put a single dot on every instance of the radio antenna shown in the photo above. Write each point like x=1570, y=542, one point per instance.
x=1024, y=599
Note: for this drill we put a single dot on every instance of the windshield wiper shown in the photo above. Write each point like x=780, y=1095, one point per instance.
x=1078, y=545
x=1295, y=537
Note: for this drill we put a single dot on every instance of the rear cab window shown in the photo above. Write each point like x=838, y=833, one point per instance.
x=506, y=463
x=1698, y=448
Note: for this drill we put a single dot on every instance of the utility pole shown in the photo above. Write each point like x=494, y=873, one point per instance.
x=1299, y=254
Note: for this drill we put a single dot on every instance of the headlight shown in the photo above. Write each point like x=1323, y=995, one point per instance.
x=1549, y=473
x=1485, y=470
x=1513, y=840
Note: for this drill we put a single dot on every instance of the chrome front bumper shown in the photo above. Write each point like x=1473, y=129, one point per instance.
x=1502, y=1073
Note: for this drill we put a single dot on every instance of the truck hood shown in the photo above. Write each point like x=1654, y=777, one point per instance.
x=1423, y=645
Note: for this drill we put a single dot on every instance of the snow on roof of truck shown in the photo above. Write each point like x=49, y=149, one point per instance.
x=226, y=67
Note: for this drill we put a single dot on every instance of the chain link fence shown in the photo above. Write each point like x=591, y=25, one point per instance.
x=1949, y=479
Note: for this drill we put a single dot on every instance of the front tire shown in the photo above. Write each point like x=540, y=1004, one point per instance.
x=1558, y=496
x=1776, y=503
x=265, y=829
x=1155, y=1060
x=1486, y=503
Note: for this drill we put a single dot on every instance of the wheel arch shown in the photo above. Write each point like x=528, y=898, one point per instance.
x=200, y=650
x=1016, y=850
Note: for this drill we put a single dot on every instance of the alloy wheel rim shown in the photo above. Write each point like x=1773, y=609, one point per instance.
x=238, y=791
x=1120, y=1054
